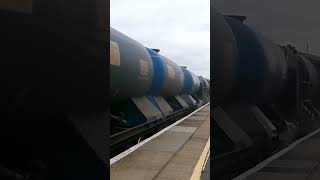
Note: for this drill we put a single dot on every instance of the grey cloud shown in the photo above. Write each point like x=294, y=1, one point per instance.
x=180, y=29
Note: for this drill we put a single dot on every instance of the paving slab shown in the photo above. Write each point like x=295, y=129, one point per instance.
x=172, y=155
x=302, y=162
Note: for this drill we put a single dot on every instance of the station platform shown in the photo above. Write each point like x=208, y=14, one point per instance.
x=177, y=152
x=299, y=161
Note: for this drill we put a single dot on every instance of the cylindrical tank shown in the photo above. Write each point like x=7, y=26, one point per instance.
x=131, y=67
x=168, y=76
x=276, y=70
x=224, y=58
x=191, y=82
x=261, y=67
x=196, y=81
x=315, y=60
x=204, y=85
x=311, y=76
x=208, y=83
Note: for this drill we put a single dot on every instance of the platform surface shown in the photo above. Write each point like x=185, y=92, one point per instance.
x=301, y=162
x=176, y=154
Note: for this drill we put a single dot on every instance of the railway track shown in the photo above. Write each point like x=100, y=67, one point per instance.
x=123, y=140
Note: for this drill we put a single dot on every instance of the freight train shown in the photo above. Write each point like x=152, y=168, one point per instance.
x=54, y=94
x=145, y=86
x=265, y=95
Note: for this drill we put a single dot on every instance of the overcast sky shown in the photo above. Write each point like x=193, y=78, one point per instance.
x=284, y=21
x=179, y=28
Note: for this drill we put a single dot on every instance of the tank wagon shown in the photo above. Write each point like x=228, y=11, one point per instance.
x=146, y=86
x=266, y=95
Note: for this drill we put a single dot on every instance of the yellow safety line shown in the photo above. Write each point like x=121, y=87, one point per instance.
x=196, y=175
x=205, y=162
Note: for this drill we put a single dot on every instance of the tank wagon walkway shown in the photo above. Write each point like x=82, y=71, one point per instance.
x=299, y=161
x=179, y=152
